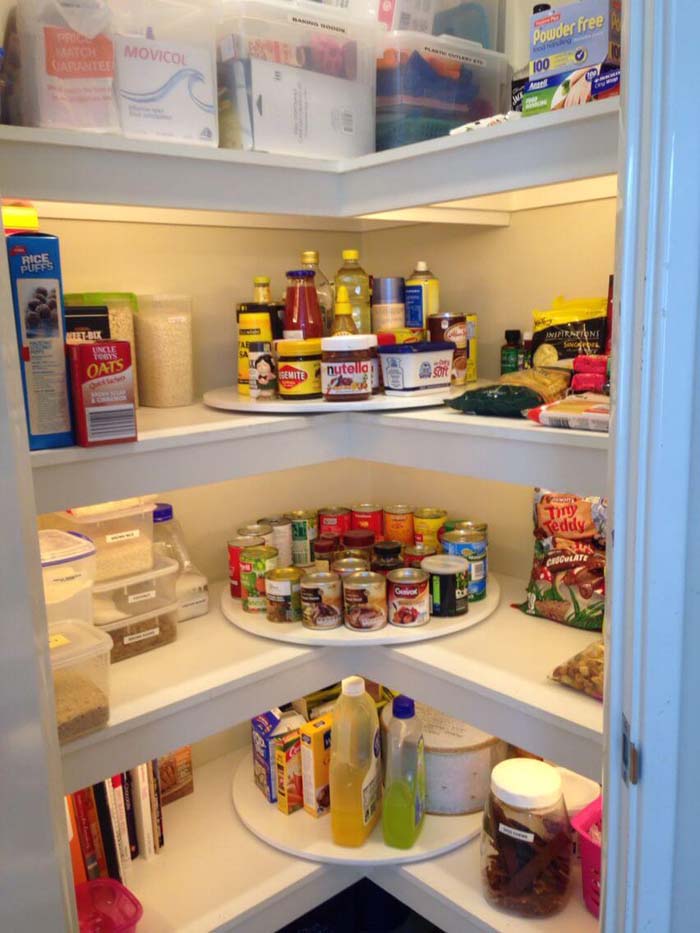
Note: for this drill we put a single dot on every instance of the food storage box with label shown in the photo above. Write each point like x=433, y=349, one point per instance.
x=136, y=634
x=416, y=367
x=68, y=570
x=122, y=532
x=427, y=85
x=297, y=78
x=80, y=664
x=149, y=591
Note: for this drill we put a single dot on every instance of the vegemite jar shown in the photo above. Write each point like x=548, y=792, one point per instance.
x=299, y=369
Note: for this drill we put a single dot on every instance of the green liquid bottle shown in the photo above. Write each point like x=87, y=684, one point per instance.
x=404, y=786
x=510, y=352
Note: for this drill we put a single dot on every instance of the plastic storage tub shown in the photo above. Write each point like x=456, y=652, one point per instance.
x=139, y=634
x=121, y=531
x=106, y=906
x=150, y=591
x=591, y=853
x=68, y=569
x=80, y=663
x=296, y=78
x=426, y=86
x=416, y=368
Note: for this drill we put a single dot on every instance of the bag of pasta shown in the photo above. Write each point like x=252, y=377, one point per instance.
x=567, y=582
x=585, y=671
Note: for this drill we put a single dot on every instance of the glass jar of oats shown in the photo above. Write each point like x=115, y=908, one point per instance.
x=164, y=350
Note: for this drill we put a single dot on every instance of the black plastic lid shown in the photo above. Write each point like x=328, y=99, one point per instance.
x=541, y=8
x=388, y=548
x=513, y=336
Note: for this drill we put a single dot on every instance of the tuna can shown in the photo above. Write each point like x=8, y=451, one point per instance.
x=235, y=546
x=283, y=594
x=369, y=517
x=414, y=556
x=281, y=538
x=303, y=537
x=260, y=530
x=255, y=563
x=426, y=524
x=471, y=545
x=398, y=524
x=449, y=585
x=321, y=601
x=334, y=519
x=408, y=597
x=364, y=601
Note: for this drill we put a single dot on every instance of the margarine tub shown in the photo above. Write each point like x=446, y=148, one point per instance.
x=416, y=368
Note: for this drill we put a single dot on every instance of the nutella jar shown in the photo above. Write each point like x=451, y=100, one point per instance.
x=346, y=368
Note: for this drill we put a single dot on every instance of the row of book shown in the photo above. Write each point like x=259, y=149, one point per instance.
x=120, y=819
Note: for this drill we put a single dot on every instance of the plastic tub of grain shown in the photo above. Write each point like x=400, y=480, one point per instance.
x=135, y=635
x=122, y=532
x=80, y=664
x=68, y=570
x=164, y=350
x=136, y=594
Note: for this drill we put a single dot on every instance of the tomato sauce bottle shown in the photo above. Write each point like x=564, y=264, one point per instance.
x=302, y=313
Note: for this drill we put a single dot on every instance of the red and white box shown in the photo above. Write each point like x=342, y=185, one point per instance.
x=102, y=383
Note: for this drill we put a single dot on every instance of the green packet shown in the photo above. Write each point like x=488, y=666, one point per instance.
x=110, y=299
x=501, y=401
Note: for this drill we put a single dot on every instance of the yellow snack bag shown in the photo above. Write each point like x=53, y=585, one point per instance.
x=566, y=331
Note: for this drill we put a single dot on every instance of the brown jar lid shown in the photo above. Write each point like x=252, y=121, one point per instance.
x=326, y=544
x=358, y=537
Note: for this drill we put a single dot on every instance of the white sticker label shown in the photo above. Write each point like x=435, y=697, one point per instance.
x=518, y=834
x=140, y=597
x=141, y=636
x=200, y=600
x=123, y=536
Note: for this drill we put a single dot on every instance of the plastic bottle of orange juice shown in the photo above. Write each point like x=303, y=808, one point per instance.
x=355, y=767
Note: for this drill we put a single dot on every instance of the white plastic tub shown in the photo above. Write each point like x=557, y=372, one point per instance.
x=137, y=594
x=412, y=368
x=68, y=569
x=80, y=663
x=138, y=634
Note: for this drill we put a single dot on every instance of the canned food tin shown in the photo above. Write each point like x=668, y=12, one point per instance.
x=413, y=556
x=255, y=563
x=364, y=601
x=398, y=523
x=471, y=545
x=408, y=597
x=260, y=530
x=354, y=553
x=262, y=370
x=347, y=565
x=334, y=519
x=464, y=524
x=303, y=537
x=387, y=557
x=361, y=540
x=321, y=601
x=450, y=525
x=283, y=594
x=426, y=524
x=281, y=537
x=235, y=546
x=369, y=517
x=449, y=585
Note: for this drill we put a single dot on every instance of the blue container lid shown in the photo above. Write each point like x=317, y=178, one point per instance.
x=403, y=707
x=424, y=346
x=301, y=274
x=162, y=512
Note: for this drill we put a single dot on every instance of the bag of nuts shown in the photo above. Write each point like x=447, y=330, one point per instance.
x=585, y=671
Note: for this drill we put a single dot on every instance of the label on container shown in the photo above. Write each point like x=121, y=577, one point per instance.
x=141, y=636
x=201, y=599
x=372, y=783
x=518, y=834
x=123, y=536
x=75, y=74
x=58, y=641
x=140, y=597
x=351, y=378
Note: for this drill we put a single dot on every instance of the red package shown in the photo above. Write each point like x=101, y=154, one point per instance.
x=588, y=382
x=102, y=383
x=591, y=364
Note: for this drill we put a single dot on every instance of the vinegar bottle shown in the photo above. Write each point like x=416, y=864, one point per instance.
x=355, y=767
x=405, y=782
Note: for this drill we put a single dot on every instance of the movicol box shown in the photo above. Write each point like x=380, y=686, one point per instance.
x=290, y=797
x=574, y=55
x=268, y=730
x=315, y=764
x=37, y=296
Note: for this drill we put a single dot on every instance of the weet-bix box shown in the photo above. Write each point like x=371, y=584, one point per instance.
x=37, y=296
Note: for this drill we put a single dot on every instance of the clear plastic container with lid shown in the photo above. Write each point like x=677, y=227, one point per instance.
x=164, y=350
x=346, y=368
x=68, y=570
x=80, y=663
x=136, y=635
x=191, y=586
x=526, y=839
x=117, y=600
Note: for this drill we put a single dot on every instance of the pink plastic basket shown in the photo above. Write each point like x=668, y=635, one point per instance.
x=105, y=906
x=590, y=853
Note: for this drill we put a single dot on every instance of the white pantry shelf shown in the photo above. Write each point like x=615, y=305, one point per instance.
x=214, y=676
x=60, y=165
x=194, y=445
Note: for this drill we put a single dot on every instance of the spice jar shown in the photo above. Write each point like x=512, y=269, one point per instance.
x=325, y=550
x=526, y=839
x=388, y=304
x=164, y=350
x=360, y=539
x=346, y=368
x=299, y=369
x=387, y=557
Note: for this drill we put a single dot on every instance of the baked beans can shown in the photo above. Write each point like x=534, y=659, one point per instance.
x=321, y=601
x=427, y=524
x=398, y=524
x=281, y=537
x=334, y=519
x=260, y=530
x=446, y=325
x=283, y=594
x=369, y=517
x=303, y=536
x=364, y=601
x=413, y=556
x=471, y=545
x=344, y=566
x=255, y=564
x=235, y=546
x=408, y=597
x=449, y=585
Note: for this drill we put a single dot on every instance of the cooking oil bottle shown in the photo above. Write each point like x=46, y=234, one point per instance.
x=355, y=279
x=355, y=767
x=403, y=808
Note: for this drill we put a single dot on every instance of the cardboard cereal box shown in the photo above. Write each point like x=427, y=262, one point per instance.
x=288, y=770
x=315, y=763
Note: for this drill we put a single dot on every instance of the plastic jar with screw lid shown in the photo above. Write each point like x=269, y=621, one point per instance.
x=164, y=350
x=346, y=368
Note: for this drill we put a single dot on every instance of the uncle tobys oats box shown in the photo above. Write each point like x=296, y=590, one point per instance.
x=102, y=383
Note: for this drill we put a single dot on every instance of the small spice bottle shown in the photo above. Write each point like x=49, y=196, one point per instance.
x=360, y=540
x=388, y=304
x=387, y=557
x=346, y=368
x=526, y=839
x=325, y=549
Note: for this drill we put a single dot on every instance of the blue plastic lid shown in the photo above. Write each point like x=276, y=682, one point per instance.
x=162, y=512
x=424, y=346
x=301, y=274
x=403, y=707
